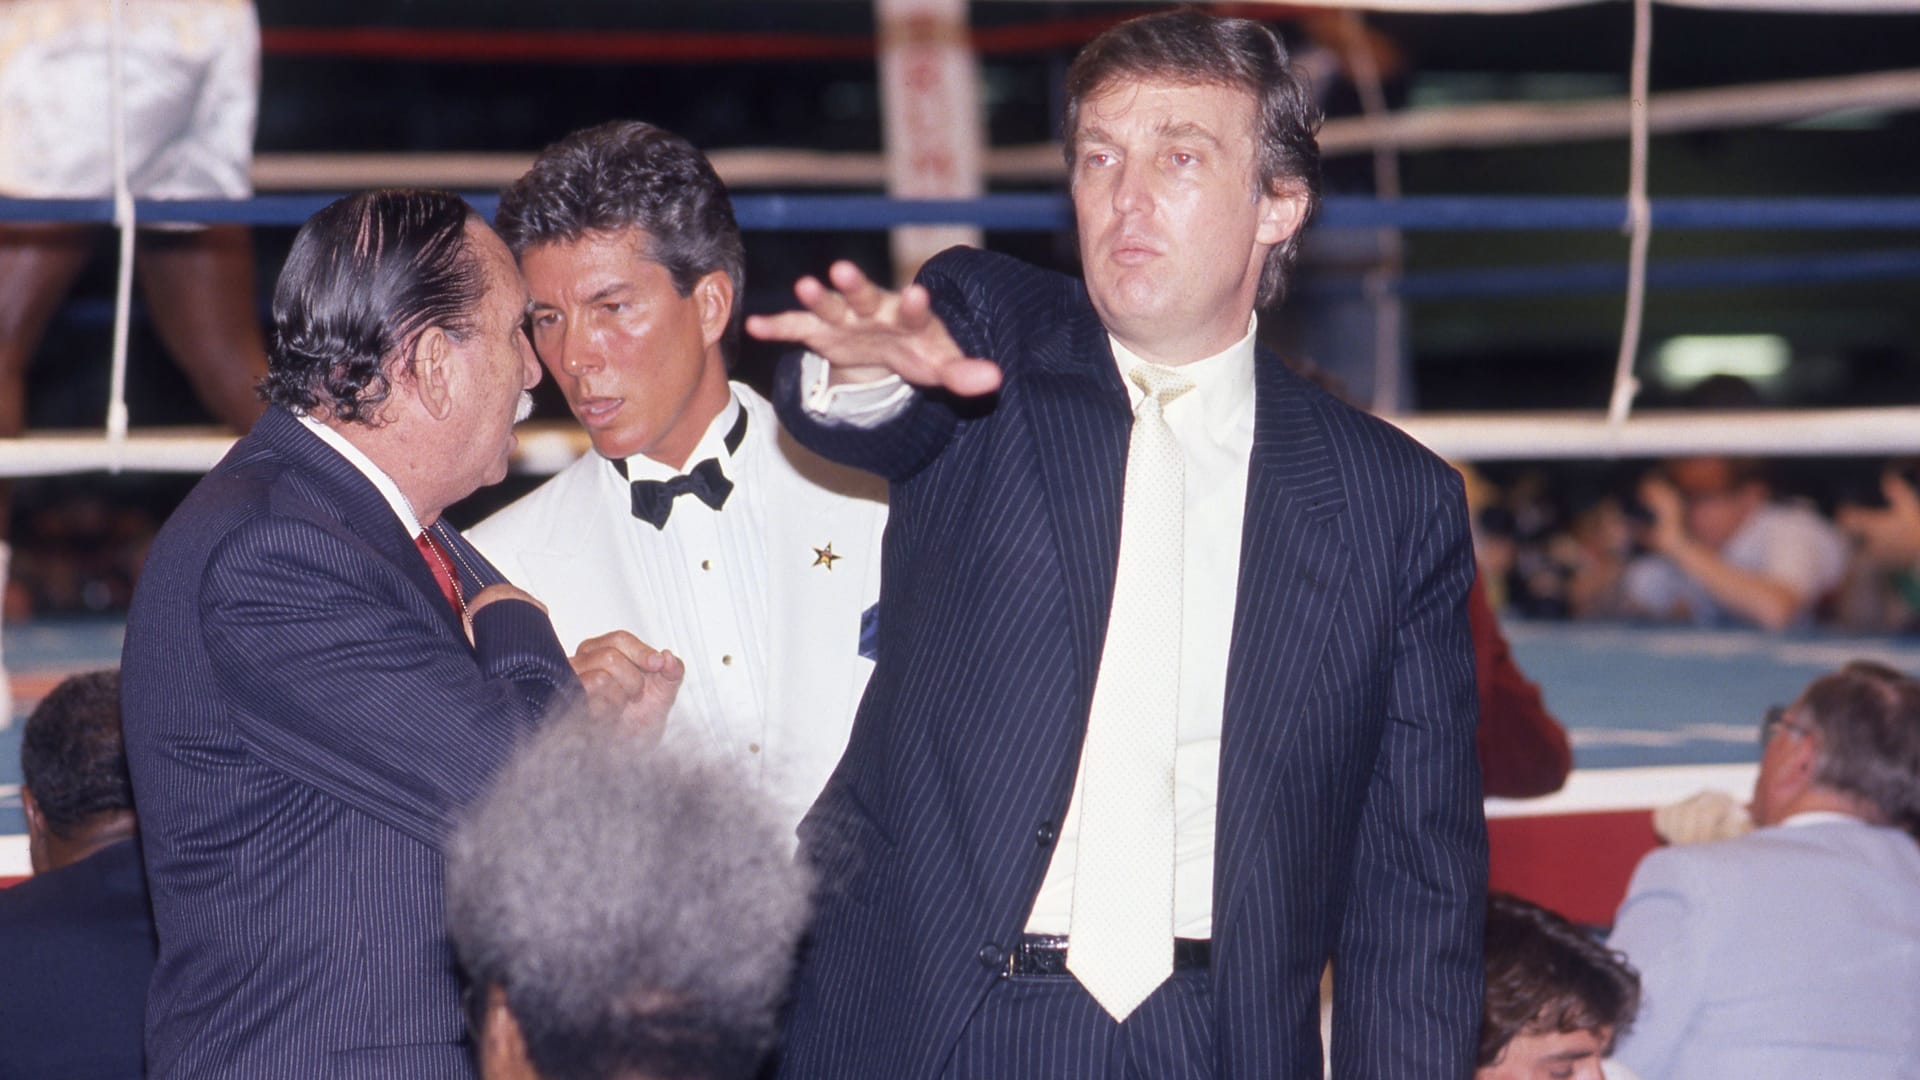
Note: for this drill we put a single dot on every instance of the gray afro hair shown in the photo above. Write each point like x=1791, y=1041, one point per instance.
x=639, y=909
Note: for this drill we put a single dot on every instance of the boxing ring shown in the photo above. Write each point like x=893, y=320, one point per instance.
x=1643, y=733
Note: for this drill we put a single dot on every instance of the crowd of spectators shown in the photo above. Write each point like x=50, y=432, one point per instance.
x=1710, y=541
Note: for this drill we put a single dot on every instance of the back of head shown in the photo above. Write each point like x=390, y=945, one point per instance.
x=71, y=756
x=1867, y=716
x=627, y=175
x=1189, y=47
x=1546, y=975
x=367, y=274
x=638, y=910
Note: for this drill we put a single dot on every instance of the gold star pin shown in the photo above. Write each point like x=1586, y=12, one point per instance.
x=824, y=556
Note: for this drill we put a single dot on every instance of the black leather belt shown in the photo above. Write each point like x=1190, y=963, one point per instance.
x=1046, y=954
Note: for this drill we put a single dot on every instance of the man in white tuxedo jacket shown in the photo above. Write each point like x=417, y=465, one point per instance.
x=695, y=523
x=1793, y=952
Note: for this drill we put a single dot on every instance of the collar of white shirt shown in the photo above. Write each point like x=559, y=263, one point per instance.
x=713, y=444
x=1222, y=383
x=389, y=490
x=1819, y=817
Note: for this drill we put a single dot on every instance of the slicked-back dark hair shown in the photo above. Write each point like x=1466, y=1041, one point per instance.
x=366, y=276
x=1189, y=47
x=1868, y=719
x=1546, y=975
x=71, y=755
x=624, y=175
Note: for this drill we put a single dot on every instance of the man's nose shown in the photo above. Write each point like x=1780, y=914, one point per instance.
x=1132, y=192
x=579, y=353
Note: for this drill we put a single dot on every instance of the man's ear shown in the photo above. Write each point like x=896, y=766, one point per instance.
x=503, y=1047
x=36, y=831
x=1281, y=215
x=36, y=821
x=714, y=294
x=433, y=372
x=1803, y=758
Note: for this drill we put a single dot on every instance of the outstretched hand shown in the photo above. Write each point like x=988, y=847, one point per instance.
x=866, y=333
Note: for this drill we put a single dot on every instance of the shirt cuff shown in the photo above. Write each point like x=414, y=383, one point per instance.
x=863, y=405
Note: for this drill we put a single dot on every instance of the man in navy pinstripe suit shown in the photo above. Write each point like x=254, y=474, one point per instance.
x=319, y=672
x=1324, y=795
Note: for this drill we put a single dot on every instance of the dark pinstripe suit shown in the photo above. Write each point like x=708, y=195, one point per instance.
x=1349, y=821
x=303, y=714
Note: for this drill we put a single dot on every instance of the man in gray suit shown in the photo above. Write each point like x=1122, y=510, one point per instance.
x=1791, y=951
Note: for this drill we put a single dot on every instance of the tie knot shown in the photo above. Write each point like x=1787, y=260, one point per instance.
x=1158, y=384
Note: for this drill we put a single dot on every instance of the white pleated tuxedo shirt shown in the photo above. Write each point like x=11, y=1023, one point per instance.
x=769, y=628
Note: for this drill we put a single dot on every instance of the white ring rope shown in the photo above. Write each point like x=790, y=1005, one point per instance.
x=123, y=219
x=547, y=446
x=1381, y=283
x=1639, y=219
x=1451, y=127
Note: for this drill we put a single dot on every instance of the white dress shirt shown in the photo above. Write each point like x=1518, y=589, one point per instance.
x=703, y=582
x=377, y=476
x=1214, y=427
x=764, y=599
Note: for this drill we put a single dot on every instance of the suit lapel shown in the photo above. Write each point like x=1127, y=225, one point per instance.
x=1078, y=411
x=1293, y=563
x=363, y=510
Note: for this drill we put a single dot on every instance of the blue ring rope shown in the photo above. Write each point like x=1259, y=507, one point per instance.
x=1052, y=212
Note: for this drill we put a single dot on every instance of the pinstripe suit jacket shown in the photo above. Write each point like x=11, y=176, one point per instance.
x=1349, y=823
x=303, y=716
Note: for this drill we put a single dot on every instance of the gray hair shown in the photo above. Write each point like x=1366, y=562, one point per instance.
x=639, y=910
x=623, y=175
x=1868, y=719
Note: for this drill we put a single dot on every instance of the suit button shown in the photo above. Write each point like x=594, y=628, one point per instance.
x=990, y=955
x=1045, y=834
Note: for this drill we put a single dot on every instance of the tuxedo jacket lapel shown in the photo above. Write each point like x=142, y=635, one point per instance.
x=1293, y=565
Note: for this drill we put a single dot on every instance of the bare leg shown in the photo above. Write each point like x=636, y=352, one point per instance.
x=198, y=286
x=38, y=264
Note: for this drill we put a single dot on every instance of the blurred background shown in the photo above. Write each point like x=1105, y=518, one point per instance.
x=1491, y=320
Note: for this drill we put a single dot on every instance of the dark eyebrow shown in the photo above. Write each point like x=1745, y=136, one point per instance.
x=608, y=290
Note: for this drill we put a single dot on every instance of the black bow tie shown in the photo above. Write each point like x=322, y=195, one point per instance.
x=653, y=499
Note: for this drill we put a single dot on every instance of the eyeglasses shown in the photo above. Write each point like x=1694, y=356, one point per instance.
x=1775, y=720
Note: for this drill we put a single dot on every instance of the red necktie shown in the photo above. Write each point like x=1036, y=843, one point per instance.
x=442, y=570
